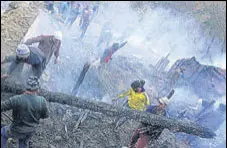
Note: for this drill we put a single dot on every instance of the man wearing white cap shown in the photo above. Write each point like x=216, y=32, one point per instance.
x=27, y=55
x=144, y=133
x=37, y=57
x=48, y=44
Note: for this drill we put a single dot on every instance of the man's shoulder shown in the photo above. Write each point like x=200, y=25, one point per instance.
x=43, y=37
x=10, y=58
x=39, y=97
x=34, y=98
x=25, y=96
x=42, y=99
x=16, y=97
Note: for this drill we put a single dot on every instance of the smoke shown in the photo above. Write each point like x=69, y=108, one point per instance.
x=182, y=100
x=185, y=100
x=220, y=61
x=161, y=31
x=218, y=141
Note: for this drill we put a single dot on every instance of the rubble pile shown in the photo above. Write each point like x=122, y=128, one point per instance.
x=206, y=81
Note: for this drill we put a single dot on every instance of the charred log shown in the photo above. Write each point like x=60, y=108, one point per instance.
x=110, y=110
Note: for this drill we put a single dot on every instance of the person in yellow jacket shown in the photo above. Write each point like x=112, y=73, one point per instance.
x=137, y=97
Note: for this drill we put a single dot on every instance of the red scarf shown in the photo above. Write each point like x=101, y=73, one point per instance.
x=108, y=58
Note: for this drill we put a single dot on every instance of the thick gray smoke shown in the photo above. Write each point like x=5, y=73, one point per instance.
x=160, y=32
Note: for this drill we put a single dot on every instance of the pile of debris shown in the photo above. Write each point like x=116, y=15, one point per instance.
x=211, y=80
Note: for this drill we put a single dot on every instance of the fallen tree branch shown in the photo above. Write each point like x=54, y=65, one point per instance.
x=109, y=110
x=7, y=116
x=83, y=116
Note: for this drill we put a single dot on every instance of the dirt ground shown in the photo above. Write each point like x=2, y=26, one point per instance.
x=15, y=23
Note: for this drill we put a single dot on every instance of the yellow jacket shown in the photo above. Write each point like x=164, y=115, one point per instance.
x=137, y=101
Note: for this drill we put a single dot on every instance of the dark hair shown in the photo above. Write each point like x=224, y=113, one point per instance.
x=32, y=83
x=138, y=84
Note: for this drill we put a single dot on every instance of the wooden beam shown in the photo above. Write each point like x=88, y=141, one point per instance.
x=110, y=110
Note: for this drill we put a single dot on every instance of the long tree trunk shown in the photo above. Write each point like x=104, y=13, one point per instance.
x=110, y=110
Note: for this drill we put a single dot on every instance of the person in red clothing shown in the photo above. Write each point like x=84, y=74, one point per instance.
x=144, y=133
x=108, y=53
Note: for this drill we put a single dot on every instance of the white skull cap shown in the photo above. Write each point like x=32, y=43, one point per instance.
x=200, y=101
x=164, y=100
x=22, y=51
x=58, y=35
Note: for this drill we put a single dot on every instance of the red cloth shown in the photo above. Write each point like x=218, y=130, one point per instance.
x=139, y=140
x=108, y=58
x=143, y=141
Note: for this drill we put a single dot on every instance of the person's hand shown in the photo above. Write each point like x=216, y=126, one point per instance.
x=4, y=76
x=123, y=44
x=121, y=96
